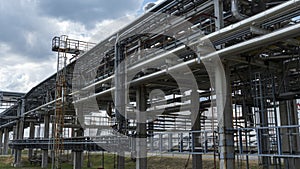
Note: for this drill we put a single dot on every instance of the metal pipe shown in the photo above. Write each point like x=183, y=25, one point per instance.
x=93, y=84
x=219, y=34
x=235, y=10
x=270, y=13
x=44, y=105
x=8, y=124
x=244, y=46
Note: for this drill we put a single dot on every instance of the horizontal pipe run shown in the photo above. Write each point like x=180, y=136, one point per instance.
x=44, y=105
x=8, y=124
x=221, y=33
x=244, y=46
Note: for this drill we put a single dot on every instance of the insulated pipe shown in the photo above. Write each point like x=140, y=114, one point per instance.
x=270, y=13
x=244, y=46
x=94, y=84
x=235, y=10
x=230, y=29
x=8, y=124
x=284, y=7
x=44, y=105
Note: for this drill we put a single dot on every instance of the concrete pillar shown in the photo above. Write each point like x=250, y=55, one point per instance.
x=141, y=139
x=46, y=135
x=225, y=117
x=5, y=143
x=290, y=142
x=31, y=136
x=1, y=141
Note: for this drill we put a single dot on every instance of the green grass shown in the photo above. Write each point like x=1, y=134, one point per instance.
x=154, y=162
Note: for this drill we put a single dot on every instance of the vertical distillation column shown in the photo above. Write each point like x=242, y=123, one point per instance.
x=60, y=97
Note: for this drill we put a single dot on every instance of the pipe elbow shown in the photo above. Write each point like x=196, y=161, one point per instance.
x=235, y=10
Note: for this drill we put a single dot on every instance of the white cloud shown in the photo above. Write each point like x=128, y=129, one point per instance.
x=21, y=77
x=108, y=27
x=28, y=26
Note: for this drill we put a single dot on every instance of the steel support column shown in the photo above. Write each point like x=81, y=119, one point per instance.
x=141, y=142
x=78, y=160
x=218, y=7
x=20, y=133
x=46, y=135
x=119, y=95
x=5, y=143
x=78, y=155
x=196, y=158
x=121, y=160
x=1, y=141
x=290, y=141
x=225, y=115
x=31, y=136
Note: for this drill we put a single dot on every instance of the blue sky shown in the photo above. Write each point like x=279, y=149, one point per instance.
x=27, y=27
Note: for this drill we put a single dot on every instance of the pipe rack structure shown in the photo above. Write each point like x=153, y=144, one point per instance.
x=220, y=78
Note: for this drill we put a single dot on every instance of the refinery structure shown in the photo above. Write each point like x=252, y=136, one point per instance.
x=212, y=78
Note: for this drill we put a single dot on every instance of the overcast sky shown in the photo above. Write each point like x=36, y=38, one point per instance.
x=28, y=26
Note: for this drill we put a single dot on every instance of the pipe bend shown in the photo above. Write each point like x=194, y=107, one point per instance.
x=235, y=10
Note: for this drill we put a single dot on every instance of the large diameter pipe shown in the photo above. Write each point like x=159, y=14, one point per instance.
x=284, y=7
x=238, y=48
x=44, y=105
x=270, y=13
